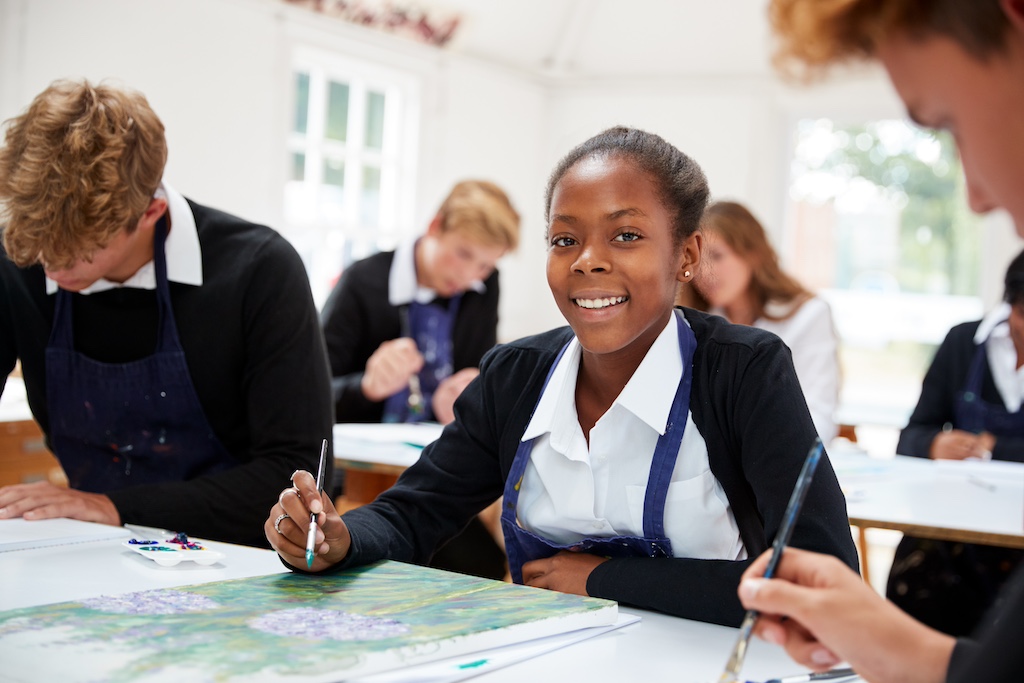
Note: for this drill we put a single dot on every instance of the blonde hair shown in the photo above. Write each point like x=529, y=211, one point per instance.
x=482, y=211
x=78, y=166
x=814, y=34
x=746, y=236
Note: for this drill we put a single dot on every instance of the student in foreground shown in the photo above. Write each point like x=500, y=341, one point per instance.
x=957, y=66
x=645, y=453
x=171, y=353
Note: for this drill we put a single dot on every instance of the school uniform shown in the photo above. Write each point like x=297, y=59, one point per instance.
x=974, y=385
x=365, y=310
x=191, y=392
x=747, y=432
x=963, y=363
x=811, y=336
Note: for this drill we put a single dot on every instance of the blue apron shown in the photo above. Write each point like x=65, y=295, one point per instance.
x=431, y=326
x=972, y=414
x=114, y=425
x=524, y=546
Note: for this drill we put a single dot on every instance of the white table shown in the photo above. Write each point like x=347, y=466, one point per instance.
x=659, y=648
x=974, y=502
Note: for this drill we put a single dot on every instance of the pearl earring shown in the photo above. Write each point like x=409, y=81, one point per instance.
x=686, y=273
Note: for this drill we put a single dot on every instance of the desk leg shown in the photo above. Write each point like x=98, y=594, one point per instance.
x=862, y=537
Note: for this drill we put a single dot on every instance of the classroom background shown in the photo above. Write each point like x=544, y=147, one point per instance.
x=343, y=124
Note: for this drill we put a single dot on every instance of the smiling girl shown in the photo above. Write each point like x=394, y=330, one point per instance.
x=645, y=453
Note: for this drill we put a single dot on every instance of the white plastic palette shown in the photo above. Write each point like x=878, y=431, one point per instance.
x=168, y=553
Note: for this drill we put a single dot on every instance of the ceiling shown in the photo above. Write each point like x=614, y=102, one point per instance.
x=617, y=38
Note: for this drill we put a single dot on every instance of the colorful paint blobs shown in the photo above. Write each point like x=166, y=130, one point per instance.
x=152, y=602
x=323, y=624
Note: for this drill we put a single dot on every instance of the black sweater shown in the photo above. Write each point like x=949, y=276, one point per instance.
x=747, y=404
x=358, y=318
x=255, y=353
x=947, y=376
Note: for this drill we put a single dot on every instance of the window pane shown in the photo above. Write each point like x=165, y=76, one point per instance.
x=370, y=201
x=375, y=120
x=337, y=111
x=334, y=172
x=301, y=102
x=298, y=166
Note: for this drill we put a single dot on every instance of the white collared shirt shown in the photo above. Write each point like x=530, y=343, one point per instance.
x=571, y=491
x=184, y=255
x=1002, y=356
x=403, y=288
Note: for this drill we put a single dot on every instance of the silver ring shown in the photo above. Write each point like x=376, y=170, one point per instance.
x=277, y=522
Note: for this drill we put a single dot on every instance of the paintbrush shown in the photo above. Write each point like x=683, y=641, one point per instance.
x=311, y=536
x=796, y=501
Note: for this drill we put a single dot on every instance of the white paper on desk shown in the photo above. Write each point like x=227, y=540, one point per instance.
x=415, y=434
x=19, y=534
x=461, y=668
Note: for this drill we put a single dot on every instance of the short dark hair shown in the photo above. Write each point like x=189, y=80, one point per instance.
x=1013, y=283
x=681, y=182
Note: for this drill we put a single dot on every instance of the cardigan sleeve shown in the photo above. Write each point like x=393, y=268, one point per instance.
x=994, y=654
x=935, y=407
x=346, y=320
x=746, y=401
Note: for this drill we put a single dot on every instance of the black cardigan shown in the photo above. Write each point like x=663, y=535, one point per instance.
x=946, y=376
x=747, y=404
x=255, y=353
x=357, y=318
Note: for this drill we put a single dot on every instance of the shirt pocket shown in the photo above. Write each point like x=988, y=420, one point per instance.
x=698, y=519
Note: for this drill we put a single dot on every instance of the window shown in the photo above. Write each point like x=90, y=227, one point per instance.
x=878, y=224
x=351, y=155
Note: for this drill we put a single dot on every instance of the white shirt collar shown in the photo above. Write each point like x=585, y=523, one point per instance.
x=991, y=321
x=184, y=255
x=402, y=285
x=648, y=394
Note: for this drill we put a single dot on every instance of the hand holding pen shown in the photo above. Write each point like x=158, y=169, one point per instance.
x=301, y=509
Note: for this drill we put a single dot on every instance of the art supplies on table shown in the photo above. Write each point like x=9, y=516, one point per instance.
x=172, y=551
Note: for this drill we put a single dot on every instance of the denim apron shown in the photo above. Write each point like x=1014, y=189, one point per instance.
x=114, y=425
x=524, y=546
x=430, y=326
x=972, y=414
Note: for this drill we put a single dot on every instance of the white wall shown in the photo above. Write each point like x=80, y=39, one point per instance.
x=217, y=72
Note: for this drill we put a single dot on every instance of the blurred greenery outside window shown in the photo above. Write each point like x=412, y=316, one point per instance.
x=878, y=224
x=349, y=186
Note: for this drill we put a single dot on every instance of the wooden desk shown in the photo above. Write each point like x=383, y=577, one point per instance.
x=658, y=648
x=23, y=454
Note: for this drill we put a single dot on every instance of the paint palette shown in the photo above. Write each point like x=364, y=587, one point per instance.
x=172, y=551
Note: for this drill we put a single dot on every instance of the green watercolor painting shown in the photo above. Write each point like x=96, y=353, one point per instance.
x=285, y=627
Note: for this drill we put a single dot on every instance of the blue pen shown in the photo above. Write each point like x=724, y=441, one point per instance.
x=311, y=536
x=796, y=501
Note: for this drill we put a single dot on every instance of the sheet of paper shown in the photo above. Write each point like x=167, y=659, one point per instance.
x=18, y=534
x=461, y=668
x=417, y=434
